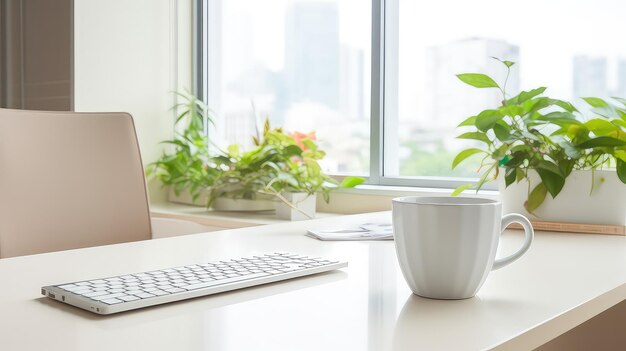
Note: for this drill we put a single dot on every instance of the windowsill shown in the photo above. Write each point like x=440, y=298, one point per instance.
x=361, y=199
x=219, y=219
x=374, y=198
x=392, y=190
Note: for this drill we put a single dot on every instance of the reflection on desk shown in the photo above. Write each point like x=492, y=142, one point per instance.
x=563, y=281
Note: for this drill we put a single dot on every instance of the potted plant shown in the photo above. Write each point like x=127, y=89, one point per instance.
x=185, y=170
x=282, y=166
x=536, y=145
x=281, y=172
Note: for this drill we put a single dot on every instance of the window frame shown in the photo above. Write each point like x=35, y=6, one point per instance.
x=382, y=121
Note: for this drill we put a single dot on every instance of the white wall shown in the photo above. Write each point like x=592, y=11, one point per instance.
x=129, y=55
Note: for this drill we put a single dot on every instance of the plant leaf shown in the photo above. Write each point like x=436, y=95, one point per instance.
x=553, y=181
x=462, y=188
x=468, y=122
x=351, y=182
x=478, y=80
x=570, y=150
x=601, y=141
x=505, y=62
x=536, y=198
x=511, y=110
x=620, y=154
x=463, y=155
x=564, y=105
x=475, y=136
x=548, y=166
x=560, y=116
x=600, y=126
x=621, y=170
x=509, y=176
x=595, y=102
x=619, y=122
x=502, y=131
x=519, y=175
x=525, y=96
x=487, y=119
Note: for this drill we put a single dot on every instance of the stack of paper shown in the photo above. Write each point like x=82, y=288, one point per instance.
x=367, y=231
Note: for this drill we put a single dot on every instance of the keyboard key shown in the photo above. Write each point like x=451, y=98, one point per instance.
x=225, y=281
x=144, y=295
x=159, y=292
x=134, y=292
x=82, y=292
x=75, y=287
x=112, y=301
x=108, y=296
x=175, y=290
x=96, y=293
x=129, y=298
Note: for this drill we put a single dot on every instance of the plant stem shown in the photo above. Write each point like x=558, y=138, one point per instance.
x=285, y=201
x=508, y=72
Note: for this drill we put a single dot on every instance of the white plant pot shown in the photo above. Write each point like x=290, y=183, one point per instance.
x=302, y=201
x=185, y=198
x=576, y=203
x=261, y=203
x=243, y=205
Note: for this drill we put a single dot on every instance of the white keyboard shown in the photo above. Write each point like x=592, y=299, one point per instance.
x=132, y=291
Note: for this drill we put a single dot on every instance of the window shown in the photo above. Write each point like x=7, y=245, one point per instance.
x=303, y=64
x=376, y=79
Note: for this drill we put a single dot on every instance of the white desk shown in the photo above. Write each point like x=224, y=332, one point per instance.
x=561, y=282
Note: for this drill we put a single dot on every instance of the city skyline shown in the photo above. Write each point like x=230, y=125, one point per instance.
x=309, y=69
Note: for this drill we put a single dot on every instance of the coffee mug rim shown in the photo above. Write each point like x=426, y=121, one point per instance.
x=454, y=201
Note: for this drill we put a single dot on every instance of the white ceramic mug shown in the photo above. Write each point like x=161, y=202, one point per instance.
x=447, y=246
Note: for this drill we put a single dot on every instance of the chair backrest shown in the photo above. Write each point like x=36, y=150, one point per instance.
x=69, y=180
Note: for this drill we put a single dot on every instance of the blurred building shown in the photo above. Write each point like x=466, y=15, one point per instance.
x=449, y=101
x=312, y=53
x=590, y=76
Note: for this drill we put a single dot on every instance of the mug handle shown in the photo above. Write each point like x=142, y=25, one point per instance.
x=528, y=239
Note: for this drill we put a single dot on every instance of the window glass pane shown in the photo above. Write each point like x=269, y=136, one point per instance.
x=303, y=64
x=572, y=47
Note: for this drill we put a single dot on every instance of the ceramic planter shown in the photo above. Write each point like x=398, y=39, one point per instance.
x=261, y=203
x=597, y=197
x=302, y=201
x=244, y=205
x=185, y=198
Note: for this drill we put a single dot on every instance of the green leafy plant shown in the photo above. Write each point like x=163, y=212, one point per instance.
x=279, y=162
x=186, y=168
x=530, y=131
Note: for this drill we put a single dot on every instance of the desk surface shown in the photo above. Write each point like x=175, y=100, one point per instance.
x=562, y=281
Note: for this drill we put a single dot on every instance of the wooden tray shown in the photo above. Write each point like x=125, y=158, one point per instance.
x=575, y=228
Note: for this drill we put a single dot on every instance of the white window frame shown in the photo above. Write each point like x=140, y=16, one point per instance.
x=383, y=118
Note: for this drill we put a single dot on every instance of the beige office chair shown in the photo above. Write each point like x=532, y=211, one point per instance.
x=69, y=180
